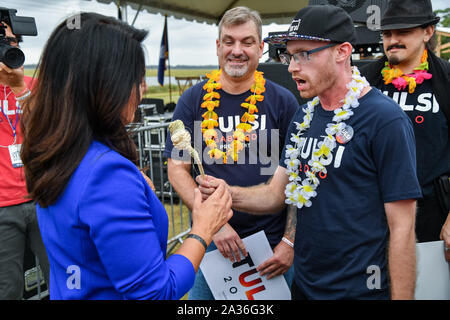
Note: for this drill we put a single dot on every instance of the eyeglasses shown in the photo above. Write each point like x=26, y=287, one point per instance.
x=302, y=56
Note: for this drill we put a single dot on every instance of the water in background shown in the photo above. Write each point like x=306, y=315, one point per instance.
x=153, y=81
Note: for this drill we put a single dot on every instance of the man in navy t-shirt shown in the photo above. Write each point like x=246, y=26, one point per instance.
x=240, y=135
x=349, y=167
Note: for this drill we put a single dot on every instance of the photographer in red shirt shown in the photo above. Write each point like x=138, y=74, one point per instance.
x=18, y=224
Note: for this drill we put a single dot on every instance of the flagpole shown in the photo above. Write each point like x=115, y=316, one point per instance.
x=168, y=62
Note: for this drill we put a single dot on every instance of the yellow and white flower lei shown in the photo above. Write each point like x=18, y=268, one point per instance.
x=300, y=191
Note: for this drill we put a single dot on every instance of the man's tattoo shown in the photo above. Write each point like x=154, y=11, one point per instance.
x=291, y=223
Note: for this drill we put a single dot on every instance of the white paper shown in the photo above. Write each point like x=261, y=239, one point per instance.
x=241, y=281
x=433, y=272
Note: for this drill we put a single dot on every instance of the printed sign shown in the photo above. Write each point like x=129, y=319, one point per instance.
x=240, y=280
x=433, y=272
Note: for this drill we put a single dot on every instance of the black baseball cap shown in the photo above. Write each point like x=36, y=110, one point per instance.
x=320, y=23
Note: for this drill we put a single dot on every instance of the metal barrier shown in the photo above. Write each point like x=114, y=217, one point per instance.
x=34, y=283
x=150, y=140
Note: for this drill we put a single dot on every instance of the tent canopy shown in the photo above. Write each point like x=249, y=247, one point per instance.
x=210, y=11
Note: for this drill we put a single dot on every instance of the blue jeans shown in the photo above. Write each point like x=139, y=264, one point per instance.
x=200, y=290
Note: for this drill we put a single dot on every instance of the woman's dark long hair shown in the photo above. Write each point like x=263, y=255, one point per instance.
x=87, y=77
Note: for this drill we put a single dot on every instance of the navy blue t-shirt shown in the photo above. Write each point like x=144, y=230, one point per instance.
x=259, y=159
x=430, y=129
x=341, y=239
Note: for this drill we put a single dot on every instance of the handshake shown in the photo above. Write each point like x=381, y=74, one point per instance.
x=211, y=208
x=248, y=199
x=208, y=185
x=226, y=239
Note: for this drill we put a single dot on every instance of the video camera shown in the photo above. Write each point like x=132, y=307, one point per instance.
x=21, y=26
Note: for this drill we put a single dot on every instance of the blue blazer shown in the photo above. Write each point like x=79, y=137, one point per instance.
x=106, y=236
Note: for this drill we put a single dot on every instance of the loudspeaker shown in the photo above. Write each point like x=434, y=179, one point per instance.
x=368, y=42
x=278, y=73
x=357, y=9
x=360, y=63
x=170, y=107
x=158, y=103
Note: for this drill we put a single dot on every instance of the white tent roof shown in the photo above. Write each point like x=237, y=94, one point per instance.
x=210, y=11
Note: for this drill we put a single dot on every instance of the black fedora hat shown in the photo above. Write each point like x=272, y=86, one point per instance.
x=403, y=14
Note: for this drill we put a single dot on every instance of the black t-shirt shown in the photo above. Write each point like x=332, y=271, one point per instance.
x=431, y=131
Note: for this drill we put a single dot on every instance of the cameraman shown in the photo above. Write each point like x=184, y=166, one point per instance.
x=18, y=224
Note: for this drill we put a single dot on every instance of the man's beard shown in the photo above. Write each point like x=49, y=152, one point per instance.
x=322, y=82
x=236, y=72
x=394, y=59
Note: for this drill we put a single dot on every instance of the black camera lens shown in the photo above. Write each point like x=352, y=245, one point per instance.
x=11, y=56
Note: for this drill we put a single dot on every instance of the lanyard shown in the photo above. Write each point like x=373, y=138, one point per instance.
x=13, y=128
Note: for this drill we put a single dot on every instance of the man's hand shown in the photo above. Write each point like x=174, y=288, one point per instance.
x=12, y=78
x=209, y=184
x=445, y=235
x=229, y=243
x=279, y=263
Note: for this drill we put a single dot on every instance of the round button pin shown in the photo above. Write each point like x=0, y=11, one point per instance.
x=344, y=135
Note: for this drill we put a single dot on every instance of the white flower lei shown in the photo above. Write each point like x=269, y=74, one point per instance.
x=300, y=192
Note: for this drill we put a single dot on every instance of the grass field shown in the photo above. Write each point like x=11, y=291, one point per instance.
x=154, y=72
x=163, y=92
x=180, y=221
x=29, y=72
x=179, y=72
x=175, y=225
x=159, y=92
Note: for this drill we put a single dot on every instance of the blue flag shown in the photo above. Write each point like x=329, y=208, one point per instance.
x=163, y=54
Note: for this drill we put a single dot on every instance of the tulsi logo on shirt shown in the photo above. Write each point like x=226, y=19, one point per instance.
x=310, y=146
x=426, y=102
x=229, y=123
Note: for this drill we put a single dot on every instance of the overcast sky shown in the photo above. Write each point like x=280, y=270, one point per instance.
x=190, y=43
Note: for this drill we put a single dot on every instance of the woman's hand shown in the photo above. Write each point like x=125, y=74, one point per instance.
x=208, y=216
x=209, y=184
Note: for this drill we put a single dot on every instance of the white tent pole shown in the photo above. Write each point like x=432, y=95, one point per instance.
x=122, y=10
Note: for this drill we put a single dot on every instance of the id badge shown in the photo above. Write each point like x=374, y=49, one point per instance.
x=14, y=153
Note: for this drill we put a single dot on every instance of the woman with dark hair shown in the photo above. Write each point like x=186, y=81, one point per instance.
x=105, y=231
